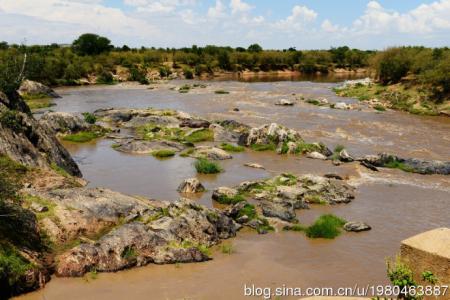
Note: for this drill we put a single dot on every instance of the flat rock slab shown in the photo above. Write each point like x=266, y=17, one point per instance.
x=428, y=251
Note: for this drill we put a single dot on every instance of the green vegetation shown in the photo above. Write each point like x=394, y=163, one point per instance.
x=37, y=101
x=223, y=199
x=295, y=227
x=82, y=136
x=395, y=164
x=429, y=277
x=231, y=147
x=264, y=226
x=227, y=248
x=379, y=107
x=248, y=210
x=221, y=92
x=12, y=120
x=89, y=118
x=202, y=135
x=401, y=275
x=163, y=153
x=91, y=44
x=12, y=266
x=314, y=199
x=59, y=170
x=129, y=253
x=204, y=166
x=326, y=226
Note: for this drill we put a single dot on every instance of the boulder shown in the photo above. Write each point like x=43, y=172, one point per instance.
x=283, y=211
x=272, y=133
x=191, y=185
x=356, y=226
x=254, y=165
x=284, y=102
x=29, y=87
x=224, y=191
x=64, y=122
x=345, y=157
x=221, y=134
x=210, y=152
x=316, y=155
x=193, y=123
x=341, y=105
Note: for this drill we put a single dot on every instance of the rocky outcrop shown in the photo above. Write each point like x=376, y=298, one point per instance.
x=146, y=147
x=413, y=165
x=34, y=88
x=282, y=210
x=25, y=140
x=191, y=185
x=180, y=233
x=224, y=191
x=63, y=122
x=272, y=134
x=356, y=226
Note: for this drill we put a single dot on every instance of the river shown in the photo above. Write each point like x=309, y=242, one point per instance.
x=396, y=204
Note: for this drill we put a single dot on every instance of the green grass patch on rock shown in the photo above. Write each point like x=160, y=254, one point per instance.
x=264, y=147
x=82, y=136
x=248, y=210
x=203, y=135
x=163, y=153
x=205, y=166
x=395, y=164
x=224, y=199
x=13, y=266
x=326, y=226
x=231, y=147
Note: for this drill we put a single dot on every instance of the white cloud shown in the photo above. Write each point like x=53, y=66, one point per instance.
x=238, y=6
x=300, y=16
x=160, y=6
x=426, y=18
x=217, y=11
x=327, y=26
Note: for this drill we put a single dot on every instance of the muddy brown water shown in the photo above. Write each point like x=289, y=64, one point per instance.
x=396, y=204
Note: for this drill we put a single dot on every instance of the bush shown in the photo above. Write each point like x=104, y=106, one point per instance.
x=205, y=166
x=89, y=118
x=163, y=153
x=91, y=44
x=188, y=73
x=392, y=64
x=138, y=75
x=400, y=275
x=12, y=267
x=105, y=77
x=326, y=226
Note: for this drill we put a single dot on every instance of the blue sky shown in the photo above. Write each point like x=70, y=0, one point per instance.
x=305, y=24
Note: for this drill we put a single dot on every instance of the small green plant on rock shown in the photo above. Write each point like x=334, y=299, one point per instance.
x=326, y=226
x=401, y=275
x=89, y=118
x=231, y=147
x=163, y=153
x=429, y=277
x=203, y=135
x=224, y=199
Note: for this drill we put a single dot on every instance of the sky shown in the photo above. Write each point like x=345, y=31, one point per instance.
x=274, y=24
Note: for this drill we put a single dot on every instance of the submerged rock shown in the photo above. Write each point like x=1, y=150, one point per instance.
x=191, y=185
x=356, y=226
x=254, y=165
x=147, y=147
x=284, y=102
x=316, y=155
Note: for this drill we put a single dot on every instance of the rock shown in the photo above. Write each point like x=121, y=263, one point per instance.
x=345, y=157
x=224, y=191
x=191, y=185
x=210, y=152
x=235, y=109
x=38, y=207
x=272, y=133
x=283, y=211
x=254, y=165
x=349, y=83
x=408, y=164
x=64, y=122
x=369, y=166
x=330, y=191
x=356, y=226
x=171, y=238
x=333, y=176
x=316, y=155
x=29, y=87
x=341, y=105
x=192, y=123
x=284, y=102
x=31, y=144
x=222, y=134
x=147, y=147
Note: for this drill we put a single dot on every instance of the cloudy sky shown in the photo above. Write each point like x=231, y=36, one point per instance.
x=276, y=24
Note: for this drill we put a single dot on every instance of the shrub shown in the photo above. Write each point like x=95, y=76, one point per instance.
x=400, y=275
x=90, y=118
x=326, y=226
x=12, y=267
x=205, y=166
x=391, y=65
x=188, y=73
x=163, y=153
x=105, y=77
x=138, y=75
x=91, y=44
x=231, y=148
x=248, y=210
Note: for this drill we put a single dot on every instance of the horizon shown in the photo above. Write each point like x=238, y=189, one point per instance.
x=305, y=25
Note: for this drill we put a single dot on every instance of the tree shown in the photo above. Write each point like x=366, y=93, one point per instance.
x=255, y=48
x=91, y=44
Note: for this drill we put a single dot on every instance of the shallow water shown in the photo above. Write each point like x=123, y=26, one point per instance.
x=396, y=204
